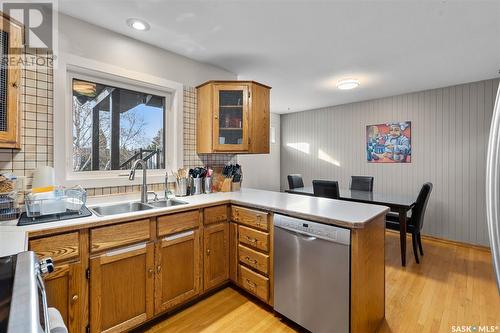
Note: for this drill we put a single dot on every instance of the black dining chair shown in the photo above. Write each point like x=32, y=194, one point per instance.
x=326, y=189
x=362, y=183
x=295, y=180
x=415, y=221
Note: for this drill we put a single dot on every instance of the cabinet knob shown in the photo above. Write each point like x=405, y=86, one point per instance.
x=216, y=117
x=151, y=271
x=208, y=252
x=74, y=298
x=158, y=269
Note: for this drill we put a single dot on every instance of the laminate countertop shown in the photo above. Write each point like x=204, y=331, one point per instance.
x=13, y=239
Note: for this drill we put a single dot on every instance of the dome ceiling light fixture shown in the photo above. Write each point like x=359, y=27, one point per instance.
x=346, y=84
x=138, y=24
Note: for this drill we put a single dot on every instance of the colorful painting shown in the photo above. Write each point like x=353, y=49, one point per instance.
x=389, y=143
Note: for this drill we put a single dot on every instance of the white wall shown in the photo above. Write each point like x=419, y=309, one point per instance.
x=83, y=45
x=450, y=129
x=262, y=171
x=92, y=42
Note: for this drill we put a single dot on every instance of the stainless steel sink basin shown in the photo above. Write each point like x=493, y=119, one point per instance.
x=120, y=208
x=166, y=203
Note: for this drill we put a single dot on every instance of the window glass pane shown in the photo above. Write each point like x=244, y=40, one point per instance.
x=113, y=127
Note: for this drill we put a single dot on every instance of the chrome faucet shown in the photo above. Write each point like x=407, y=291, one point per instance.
x=144, y=186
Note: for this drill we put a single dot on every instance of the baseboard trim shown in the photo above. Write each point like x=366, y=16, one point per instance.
x=446, y=241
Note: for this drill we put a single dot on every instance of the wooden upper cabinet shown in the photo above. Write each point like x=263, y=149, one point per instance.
x=233, y=116
x=11, y=42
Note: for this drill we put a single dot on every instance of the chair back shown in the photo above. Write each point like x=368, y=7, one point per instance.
x=362, y=183
x=295, y=180
x=418, y=212
x=326, y=189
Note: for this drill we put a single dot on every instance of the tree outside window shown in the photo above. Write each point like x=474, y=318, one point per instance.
x=113, y=127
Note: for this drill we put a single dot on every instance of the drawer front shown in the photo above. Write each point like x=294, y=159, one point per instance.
x=171, y=224
x=215, y=214
x=254, y=238
x=59, y=248
x=254, y=283
x=254, y=259
x=120, y=234
x=250, y=217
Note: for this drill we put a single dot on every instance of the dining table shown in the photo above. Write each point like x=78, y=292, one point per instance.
x=398, y=203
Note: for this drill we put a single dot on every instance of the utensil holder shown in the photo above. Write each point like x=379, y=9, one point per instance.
x=197, y=183
x=182, y=187
x=208, y=185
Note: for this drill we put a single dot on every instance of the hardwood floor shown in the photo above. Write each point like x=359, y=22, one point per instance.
x=453, y=285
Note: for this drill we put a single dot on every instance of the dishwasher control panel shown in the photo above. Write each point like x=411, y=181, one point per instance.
x=323, y=231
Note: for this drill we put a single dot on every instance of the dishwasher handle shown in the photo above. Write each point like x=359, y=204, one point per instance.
x=310, y=231
x=302, y=235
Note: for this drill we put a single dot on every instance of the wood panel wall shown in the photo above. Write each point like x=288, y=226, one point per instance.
x=450, y=128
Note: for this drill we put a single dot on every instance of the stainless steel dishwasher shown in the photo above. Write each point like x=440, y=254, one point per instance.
x=311, y=274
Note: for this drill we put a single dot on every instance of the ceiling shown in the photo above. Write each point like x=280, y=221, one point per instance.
x=301, y=48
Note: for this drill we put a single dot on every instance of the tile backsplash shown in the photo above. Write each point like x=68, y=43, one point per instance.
x=37, y=148
x=36, y=115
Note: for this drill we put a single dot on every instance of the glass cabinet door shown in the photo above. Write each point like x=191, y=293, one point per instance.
x=231, y=118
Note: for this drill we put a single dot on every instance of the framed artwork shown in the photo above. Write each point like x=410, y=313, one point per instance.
x=389, y=143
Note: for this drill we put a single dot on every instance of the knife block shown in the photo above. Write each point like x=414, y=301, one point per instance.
x=227, y=185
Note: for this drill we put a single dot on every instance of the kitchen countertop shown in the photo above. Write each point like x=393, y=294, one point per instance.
x=13, y=239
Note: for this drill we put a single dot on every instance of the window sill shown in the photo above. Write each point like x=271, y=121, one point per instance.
x=110, y=180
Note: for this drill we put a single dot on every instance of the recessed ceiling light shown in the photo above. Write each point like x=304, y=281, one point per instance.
x=347, y=84
x=138, y=24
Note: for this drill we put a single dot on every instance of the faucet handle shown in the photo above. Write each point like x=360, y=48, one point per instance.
x=153, y=193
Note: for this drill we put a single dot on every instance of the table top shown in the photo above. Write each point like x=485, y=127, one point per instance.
x=388, y=199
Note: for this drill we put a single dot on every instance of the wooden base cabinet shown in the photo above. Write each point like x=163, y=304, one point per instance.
x=64, y=293
x=178, y=269
x=121, y=288
x=66, y=286
x=216, y=255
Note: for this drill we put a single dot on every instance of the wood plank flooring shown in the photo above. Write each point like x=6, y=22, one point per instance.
x=453, y=285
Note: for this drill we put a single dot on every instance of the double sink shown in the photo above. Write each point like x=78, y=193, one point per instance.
x=130, y=207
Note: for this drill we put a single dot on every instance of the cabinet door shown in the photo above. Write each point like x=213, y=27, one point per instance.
x=11, y=40
x=178, y=269
x=233, y=252
x=121, y=288
x=64, y=293
x=216, y=249
x=230, y=129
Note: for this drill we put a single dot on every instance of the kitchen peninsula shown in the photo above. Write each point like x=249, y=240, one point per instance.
x=211, y=240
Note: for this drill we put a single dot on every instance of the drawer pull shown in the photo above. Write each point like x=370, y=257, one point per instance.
x=250, y=239
x=126, y=249
x=251, y=284
x=253, y=261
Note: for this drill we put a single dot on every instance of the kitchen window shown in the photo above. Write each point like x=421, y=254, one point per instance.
x=114, y=126
x=105, y=117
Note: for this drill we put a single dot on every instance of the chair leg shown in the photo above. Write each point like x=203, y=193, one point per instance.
x=419, y=241
x=415, y=250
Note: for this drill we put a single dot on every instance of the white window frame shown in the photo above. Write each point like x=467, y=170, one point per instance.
x=70, y=67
